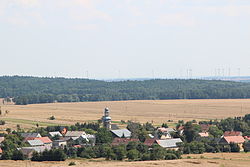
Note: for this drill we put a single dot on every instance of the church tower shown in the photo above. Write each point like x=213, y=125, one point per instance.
x=106, y=119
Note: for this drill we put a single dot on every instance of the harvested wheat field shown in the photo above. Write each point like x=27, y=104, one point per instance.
x=208, y=160
x=156, y=111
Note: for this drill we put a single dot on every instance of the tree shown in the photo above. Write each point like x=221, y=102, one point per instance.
x=190, y=131
x=133, y=154
x=157, y=153
x=120, y=152
x=17, y=155
x=215, y=131
x=164, y=125
x=103, y=136
x=234, y=147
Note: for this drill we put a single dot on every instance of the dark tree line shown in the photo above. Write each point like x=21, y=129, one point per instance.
x=30, y=90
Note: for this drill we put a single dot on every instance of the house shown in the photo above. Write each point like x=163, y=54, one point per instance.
x=121, y=133
x=226, y=140
x=125, y=141
x=46, y=141
x=232, y=133
x=169, y=130
x=53, y=134
x=165, y=132
x=59, y=143
x=169, y=143
x=74, y=133
x=25, y=135
x=28, y=151
x=87, y=140
x=203, y=134
x=34, y=143
x=150, y=142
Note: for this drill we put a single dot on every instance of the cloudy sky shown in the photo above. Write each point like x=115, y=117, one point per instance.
x=124, y=38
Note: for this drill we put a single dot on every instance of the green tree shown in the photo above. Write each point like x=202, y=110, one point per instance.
x=215, y=131
x=120, y=152
x=133, y=154
x=103, y=136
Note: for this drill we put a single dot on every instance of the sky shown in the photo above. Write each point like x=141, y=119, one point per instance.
x=103, y=39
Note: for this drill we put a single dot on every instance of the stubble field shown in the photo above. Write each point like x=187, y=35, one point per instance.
x=207, y=160
x=156, y=111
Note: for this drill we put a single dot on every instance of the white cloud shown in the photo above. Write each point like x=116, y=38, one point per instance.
x=85, y=27
x=176, y=19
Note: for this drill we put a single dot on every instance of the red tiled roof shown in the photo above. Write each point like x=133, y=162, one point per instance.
x=232, y=133
x=247, y=137
x=43, y=139
x=29, y=138
x=149, y=142
x=77, y=146
x=118, y=141
x=234, y=139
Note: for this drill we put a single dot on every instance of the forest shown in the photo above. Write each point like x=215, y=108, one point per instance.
x=30, y=90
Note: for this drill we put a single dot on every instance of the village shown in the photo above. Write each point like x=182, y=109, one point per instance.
x=135, y=142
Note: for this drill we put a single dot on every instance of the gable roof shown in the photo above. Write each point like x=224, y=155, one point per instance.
x=118, y=141
x=122, y=133
x=169, y=130
x=234, y=139
x=53, y=134
x=35, y=142
x=149, y=142
x=169, y=143
x=74, y=133
x=45, y=140
x=232, y=133
x=25, y=135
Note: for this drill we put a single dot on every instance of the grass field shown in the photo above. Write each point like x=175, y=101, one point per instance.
x=207, y=160
x=157, y=111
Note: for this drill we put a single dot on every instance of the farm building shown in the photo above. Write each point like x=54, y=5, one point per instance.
x=125, y=133
x=169, y=143
x=125, y=141
x=59, y=143
x=232, y=133
x=53, y=134
x=26, y=135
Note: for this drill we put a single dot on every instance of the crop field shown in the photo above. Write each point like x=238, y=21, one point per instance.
x=156, y=111
x=204, y=160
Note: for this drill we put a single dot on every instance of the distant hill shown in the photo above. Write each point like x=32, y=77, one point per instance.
x=29, y=90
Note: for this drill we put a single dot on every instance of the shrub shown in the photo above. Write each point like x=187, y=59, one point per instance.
x=170, y=156
x=2, y=122
x=133, y=154
x=145, y=157
x=72, y=163
x=52, y=117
